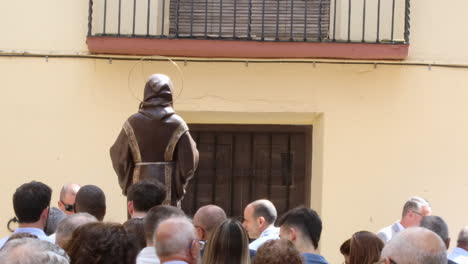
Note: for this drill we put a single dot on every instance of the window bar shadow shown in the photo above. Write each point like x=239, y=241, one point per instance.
x=148, y=18
x=105, y=18
x=364, y=22
x=163, y=18
x=249, y=25
x=277, y=19
x=220, y=18
x=305, y=20
x=291, y=37
x=192, y=7
x=206, y=18
x=263, y=20
x=235, y=20
x=320, y=21
x=119, y=19
x=378, y=22
x=407, y=20
x=90, y=18
x=393, y=20
x=349, y=21
x=134, y=17
x=334, y=21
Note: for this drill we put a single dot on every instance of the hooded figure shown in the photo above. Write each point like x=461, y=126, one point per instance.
x=155, y=144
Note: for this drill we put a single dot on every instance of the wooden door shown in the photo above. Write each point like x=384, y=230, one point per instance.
x=243, y=163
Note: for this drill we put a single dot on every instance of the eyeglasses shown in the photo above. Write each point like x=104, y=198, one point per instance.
x=416, y=212
x=68, y=207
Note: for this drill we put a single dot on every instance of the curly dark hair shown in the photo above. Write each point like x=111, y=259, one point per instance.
x=277, y=252
x=101, y=243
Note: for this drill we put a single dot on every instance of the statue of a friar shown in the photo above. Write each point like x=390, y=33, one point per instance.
x=155, y=143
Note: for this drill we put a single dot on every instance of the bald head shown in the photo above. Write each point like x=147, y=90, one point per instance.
x=462, y=241
x=174, y=237
x=416, y=245
x=67, y=197
x=206, y=219
x=69, y=189
x=265, y=209
x=258, y=216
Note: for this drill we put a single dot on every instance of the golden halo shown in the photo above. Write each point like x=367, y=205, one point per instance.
x=151, y=58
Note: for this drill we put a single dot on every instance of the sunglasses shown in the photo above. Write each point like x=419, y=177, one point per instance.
x=68, y=207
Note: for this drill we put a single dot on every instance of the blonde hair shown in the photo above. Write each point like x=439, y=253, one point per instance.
x=229, y=244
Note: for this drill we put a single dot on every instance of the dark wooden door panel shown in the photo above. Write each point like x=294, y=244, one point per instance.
x=239, y=164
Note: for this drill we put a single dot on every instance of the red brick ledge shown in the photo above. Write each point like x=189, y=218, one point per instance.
x=245, y=49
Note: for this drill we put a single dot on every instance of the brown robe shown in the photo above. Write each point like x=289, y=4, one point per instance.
x=155, y=144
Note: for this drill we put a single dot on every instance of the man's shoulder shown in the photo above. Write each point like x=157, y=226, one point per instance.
x=147, y=256
x=310, y=258
x=267, y=234
x=3, y=241
x=459, y=255
x=387, y=232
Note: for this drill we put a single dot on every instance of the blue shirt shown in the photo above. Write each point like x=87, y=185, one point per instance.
x=31, y=230
x=270, y=233
x=310, y=258
x=459, y=255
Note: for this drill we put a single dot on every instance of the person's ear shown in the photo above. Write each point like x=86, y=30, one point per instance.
x=45, y=213
x=201, y=233
x=260, y=221
x=386, y=261
x=292, y=234
x=447, y=242
x=130, y=207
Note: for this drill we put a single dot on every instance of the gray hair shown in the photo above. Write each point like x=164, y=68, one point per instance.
x=55, y=216
x=462, y=240
x=66, y=227
x=414, y=203
x=266, y=209
x=416, y=245
x=437, y=225
x=32, y=251
x=174, y=236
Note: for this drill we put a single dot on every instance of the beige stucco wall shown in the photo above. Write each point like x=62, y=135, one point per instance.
x=380, y=135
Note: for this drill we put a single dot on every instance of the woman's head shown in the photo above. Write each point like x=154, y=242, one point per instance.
x=101, y=243
x=136, y=232
x=277, y=252
x=365, y=248
x=344, y=249
x=228, y=244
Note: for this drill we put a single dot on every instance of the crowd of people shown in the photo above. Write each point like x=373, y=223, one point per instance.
x=156, y=233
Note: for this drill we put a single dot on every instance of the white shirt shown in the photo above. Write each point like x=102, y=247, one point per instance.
x=147, y=256
x=270, y=233
x=387, y=233
x=459, y=255
x=52, y=237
